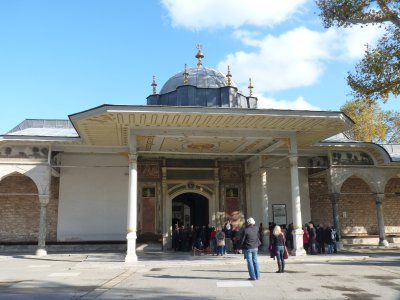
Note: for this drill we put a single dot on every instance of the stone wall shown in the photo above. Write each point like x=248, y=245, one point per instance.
x=320, y=203
x=52, y=210
x=357, y=208
x=391, y=207
x=20, y=210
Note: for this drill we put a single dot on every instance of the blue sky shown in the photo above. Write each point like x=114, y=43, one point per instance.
x=61, y=57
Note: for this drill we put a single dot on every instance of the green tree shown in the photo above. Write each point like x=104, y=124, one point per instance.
x=392, y=119
x=370, y=123
x=377, y=75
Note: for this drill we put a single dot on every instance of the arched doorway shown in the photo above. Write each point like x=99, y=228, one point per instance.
x=19, y=209
x=190, y=209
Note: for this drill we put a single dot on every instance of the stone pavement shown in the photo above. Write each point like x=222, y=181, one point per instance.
x=357, y=274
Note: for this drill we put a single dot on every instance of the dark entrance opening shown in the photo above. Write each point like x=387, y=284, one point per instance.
x=190, y=209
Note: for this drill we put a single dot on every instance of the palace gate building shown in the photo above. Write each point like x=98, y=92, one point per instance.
x=199, y=151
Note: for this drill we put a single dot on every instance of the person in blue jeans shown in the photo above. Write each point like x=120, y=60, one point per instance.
x=278, y=244
x=250, y=243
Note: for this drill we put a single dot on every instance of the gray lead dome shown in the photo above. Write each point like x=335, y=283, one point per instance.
x=201, y=87
x=198, y=77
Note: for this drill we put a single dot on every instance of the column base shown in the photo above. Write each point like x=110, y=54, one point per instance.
x=298, y=252
x=41, y=252
x=383, y=243
x=298, y=249
x=164, y=242
x=131, y=247
x=131, y=258
x=339, y=246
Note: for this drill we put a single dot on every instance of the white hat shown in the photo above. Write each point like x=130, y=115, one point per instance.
x=250, y=221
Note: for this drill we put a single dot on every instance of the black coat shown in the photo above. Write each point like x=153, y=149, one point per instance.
x=251, y=238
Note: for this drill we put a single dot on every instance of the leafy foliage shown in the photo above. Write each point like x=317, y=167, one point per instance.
x=369, y=119
x=372, y=124
x=377, y=75
x=393, y=122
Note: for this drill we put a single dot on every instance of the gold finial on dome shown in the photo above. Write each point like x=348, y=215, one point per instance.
x=250, y=88
x=154, y=85
x=185, y=76
x=199, y=55
x=229, y=76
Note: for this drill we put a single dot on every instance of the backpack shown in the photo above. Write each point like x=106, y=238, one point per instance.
x=220, y=235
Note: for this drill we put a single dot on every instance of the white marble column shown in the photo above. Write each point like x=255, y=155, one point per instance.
x=216, y=221
x=298, y=248
x=248, y=196
x=166, y=223
x=41, y=249
x=132, y=210
x=264, y=207
x=381, y=221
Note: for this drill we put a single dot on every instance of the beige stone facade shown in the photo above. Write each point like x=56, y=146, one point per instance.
x=131, y=172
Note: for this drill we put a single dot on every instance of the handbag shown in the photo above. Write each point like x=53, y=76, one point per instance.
x=285, y=253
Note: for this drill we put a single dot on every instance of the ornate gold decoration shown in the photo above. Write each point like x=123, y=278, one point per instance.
x=229, y=76
x=200, y=146
x=231, y=172
x=250, y=88
x=149, y=143
x=154, y=85
x=185, y=76
x=199, y=55
x=148, y=170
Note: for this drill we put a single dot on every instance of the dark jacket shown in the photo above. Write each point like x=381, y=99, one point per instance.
x=278, y=240
x=251, y=238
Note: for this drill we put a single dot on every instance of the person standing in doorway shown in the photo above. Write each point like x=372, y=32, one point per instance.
x=250, y=243
x=227, y=229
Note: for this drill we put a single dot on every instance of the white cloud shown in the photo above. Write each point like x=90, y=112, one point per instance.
x=298, y=104
x=355, y=39
x=295, y=58
x=201, y=14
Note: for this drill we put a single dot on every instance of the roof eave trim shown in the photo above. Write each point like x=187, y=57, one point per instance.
x=38, y=138
x=387, y=158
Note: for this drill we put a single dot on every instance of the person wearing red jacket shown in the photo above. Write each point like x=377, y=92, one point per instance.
x=306, y=239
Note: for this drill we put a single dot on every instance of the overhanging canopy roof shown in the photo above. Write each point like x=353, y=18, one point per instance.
x=166, y=129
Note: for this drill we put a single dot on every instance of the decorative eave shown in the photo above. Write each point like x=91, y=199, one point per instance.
x=379, y=153
x=110, y=124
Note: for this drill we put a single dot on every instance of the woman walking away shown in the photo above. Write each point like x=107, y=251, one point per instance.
x=250, y=243
x=278, y=241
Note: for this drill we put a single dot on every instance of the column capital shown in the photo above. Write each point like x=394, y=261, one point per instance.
x=379, y=197
x=132, y=157
x=293, y=159
x=44, y=199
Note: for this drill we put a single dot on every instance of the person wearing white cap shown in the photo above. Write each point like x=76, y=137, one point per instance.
x=250, y=243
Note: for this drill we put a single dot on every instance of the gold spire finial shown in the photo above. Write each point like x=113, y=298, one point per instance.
x=199, y=55
x=229, y=76
x=250, y=88
x=154, y=85
x=185, y=76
